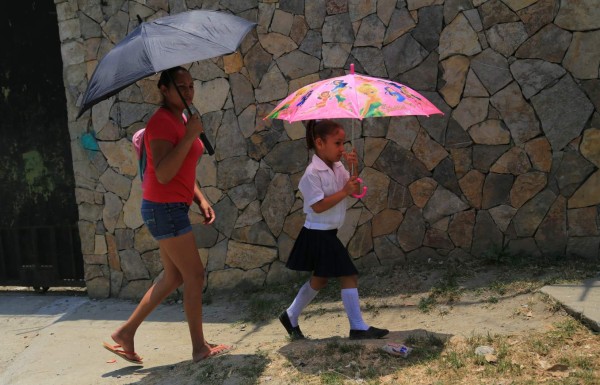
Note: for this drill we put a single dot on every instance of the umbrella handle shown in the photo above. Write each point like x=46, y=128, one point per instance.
x=209, y=148
x=363, y=192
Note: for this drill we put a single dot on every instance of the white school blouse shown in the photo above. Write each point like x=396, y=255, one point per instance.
x=318, y=182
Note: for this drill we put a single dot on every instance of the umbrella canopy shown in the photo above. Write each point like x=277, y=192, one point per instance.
x=352, y=96
x=164, y=43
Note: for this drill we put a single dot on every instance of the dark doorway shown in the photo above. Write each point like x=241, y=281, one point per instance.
x=38, y=212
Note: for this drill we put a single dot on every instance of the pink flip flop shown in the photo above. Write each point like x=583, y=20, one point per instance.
x=116, y=349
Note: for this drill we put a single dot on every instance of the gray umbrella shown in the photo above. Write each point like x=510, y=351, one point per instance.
x=162, y=44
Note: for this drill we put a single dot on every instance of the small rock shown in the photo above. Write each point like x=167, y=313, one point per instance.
x=484, y=350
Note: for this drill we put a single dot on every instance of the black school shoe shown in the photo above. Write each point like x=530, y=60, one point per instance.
x=294, y=332
x=371, y=333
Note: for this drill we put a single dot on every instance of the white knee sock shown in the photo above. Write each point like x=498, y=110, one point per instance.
x=303, y=298
x=352, y=306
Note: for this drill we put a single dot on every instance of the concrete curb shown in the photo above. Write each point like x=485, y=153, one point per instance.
x=581, y=300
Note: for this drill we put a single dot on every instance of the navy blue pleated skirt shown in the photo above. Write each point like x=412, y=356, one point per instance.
x=321, y=252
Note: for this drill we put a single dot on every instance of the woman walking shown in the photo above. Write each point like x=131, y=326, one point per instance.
x=169, y=188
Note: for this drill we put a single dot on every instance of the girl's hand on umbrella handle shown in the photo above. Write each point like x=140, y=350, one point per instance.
x=352, y=185
x=364, y=191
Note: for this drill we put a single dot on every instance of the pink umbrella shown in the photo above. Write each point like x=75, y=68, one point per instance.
x=352, y=96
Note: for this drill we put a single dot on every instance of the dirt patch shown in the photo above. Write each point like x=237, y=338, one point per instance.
x=443, y=313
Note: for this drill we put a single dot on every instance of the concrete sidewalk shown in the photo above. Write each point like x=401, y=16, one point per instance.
x=581, y=300
x=56, y=339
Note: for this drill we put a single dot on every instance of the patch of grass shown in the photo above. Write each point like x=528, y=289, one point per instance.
x=564, y=330
x=552, y=305
x=585, y=363
x=337, y=347
x=426, y=303
x=446, y=291
x=370, y=372
x=264, y=308
x=332, y=378
x=540, y=347
x=498, y=287
x=253, y=369
x=492, y=299
x=454, y=360
x=205, y=372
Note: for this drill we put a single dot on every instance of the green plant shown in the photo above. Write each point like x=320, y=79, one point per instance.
x=332, y=378
x=351, y=348
x=252, y=370
x=263, y=308
x=369, y=373
x=332, y=347
x=498, y=287
x=540, y=347
x=492, y=299
x=565, y=329
x=455, y=360
x=425, y=304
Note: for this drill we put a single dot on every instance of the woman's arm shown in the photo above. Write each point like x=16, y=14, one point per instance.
x=167, y=159
x=205, y=207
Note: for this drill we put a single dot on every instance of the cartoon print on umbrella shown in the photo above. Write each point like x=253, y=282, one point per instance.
x=338, y=92
x=299, y=99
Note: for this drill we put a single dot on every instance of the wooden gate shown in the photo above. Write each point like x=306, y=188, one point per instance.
x=40, y=257
x=39, y=240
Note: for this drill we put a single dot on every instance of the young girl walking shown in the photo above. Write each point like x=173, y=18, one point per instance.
x=325, y=186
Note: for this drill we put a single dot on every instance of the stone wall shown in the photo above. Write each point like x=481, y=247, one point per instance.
x=510, y=168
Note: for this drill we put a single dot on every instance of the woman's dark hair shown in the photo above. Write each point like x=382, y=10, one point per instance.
x=320, y=129
x=167, y=76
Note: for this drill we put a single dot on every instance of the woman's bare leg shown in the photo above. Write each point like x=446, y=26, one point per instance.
x=184, y=255
x=165, y=285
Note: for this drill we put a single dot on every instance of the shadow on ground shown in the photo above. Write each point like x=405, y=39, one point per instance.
x=364, y=359
x=233, y=369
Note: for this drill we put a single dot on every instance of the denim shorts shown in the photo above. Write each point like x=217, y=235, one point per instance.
x=166, y=220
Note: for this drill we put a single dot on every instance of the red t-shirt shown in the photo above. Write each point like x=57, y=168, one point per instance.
x=163, y=125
